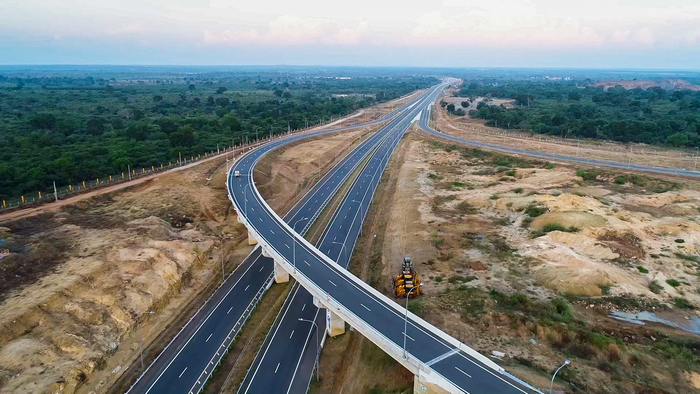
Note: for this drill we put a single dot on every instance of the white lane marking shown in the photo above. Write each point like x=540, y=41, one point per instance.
x=246, y=288
x=290, y=335
x=302, y=307
x=463, y=372
x=229, y=310
x=307, y=263
x=272, y=231
x=341, y=227
x=334, y=238
x=346, y=216
x=261, y=268
x=287, y=246
x=252, y=209
x=278, y=367
x=181, y=373
x=209, y=337
x=260, y=219
x=365, y=307
x=408, y=336
x=332, y=283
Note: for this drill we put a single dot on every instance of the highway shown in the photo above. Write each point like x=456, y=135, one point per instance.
x=289, y=350
x=376, y=316
x=424, y=124
x=189, y=359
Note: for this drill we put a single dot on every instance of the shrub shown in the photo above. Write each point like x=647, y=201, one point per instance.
x=466, y=208
x=642, y=269
x=534, y=211
x=655, y=287
x=688, y=257
x=510, y=172
x=682, y=303
x=673, y=282
x=518, y=190
x=438, y=279
x=680, y=241
x=588, y=175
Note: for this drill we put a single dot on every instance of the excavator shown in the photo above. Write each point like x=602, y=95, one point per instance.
x=408, y=282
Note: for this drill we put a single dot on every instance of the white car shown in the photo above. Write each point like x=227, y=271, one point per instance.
x=236, y=174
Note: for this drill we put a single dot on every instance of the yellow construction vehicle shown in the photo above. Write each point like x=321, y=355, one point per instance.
x=408, y=282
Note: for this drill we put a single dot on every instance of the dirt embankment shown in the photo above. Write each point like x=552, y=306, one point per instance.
x=528, y=258
x=98, y=274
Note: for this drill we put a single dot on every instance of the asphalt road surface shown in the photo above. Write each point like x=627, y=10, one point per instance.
x=187, y=362
x=424, y=343
x=660, y=170
x=287, y=357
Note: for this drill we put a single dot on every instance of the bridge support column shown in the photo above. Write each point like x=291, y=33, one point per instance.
x=251, y=238
x=422, y=386
x=281, y=276
x=334, y=324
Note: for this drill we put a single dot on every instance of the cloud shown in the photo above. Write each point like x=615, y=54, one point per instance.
x=294, y=30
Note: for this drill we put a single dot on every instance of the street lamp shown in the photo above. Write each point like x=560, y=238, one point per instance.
x=318, y=351
x=245, y=200
x=294, y=245
x=551, y=385
x=405, y=321
x=342, y=246
x=359, y=203
x=141, y=337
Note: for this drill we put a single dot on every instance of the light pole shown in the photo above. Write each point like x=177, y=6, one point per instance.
x=342, y=247
x=317, y=346
x=294, y=244
x=405, y=321
x=141, y=338
x=245, y=200
x=551, y=385
x=359, y=203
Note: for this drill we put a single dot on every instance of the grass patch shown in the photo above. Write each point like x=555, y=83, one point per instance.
x=673, y=282
x=553, y=227
x=655, y=287
x=518, y=190
x=465, y=208
x=534, y=211
x=642, y=269
x=682, y=303
x=688, y=257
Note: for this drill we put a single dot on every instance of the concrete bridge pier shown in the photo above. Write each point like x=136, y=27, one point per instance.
x=426, y=387
x=281, y=275
x=334, y=324
x=251, y=238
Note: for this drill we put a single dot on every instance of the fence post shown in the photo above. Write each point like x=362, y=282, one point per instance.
x=83, y=184
x=39, y=194
x=97, y=182
x=22, y=199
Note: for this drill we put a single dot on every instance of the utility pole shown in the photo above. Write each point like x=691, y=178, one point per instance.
x=128, y=166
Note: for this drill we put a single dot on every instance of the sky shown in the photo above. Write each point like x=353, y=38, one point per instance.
x=659, y=34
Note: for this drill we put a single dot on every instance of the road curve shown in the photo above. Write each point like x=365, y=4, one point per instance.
x=380, y=318
x=289, y=350
x=424, y=124
x=189, y=359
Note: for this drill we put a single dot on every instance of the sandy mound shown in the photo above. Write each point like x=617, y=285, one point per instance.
x=583, y=244
x=660, y=199
x=589, y=191
x=569, y=219
x=567, y=271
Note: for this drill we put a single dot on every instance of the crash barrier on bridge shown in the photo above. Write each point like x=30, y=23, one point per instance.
x=425, y=375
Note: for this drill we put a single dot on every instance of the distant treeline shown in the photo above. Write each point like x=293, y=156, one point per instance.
x=87, y=128
x=578, y=109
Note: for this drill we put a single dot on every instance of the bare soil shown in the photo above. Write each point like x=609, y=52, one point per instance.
x=81, y=279
x=498, y=278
